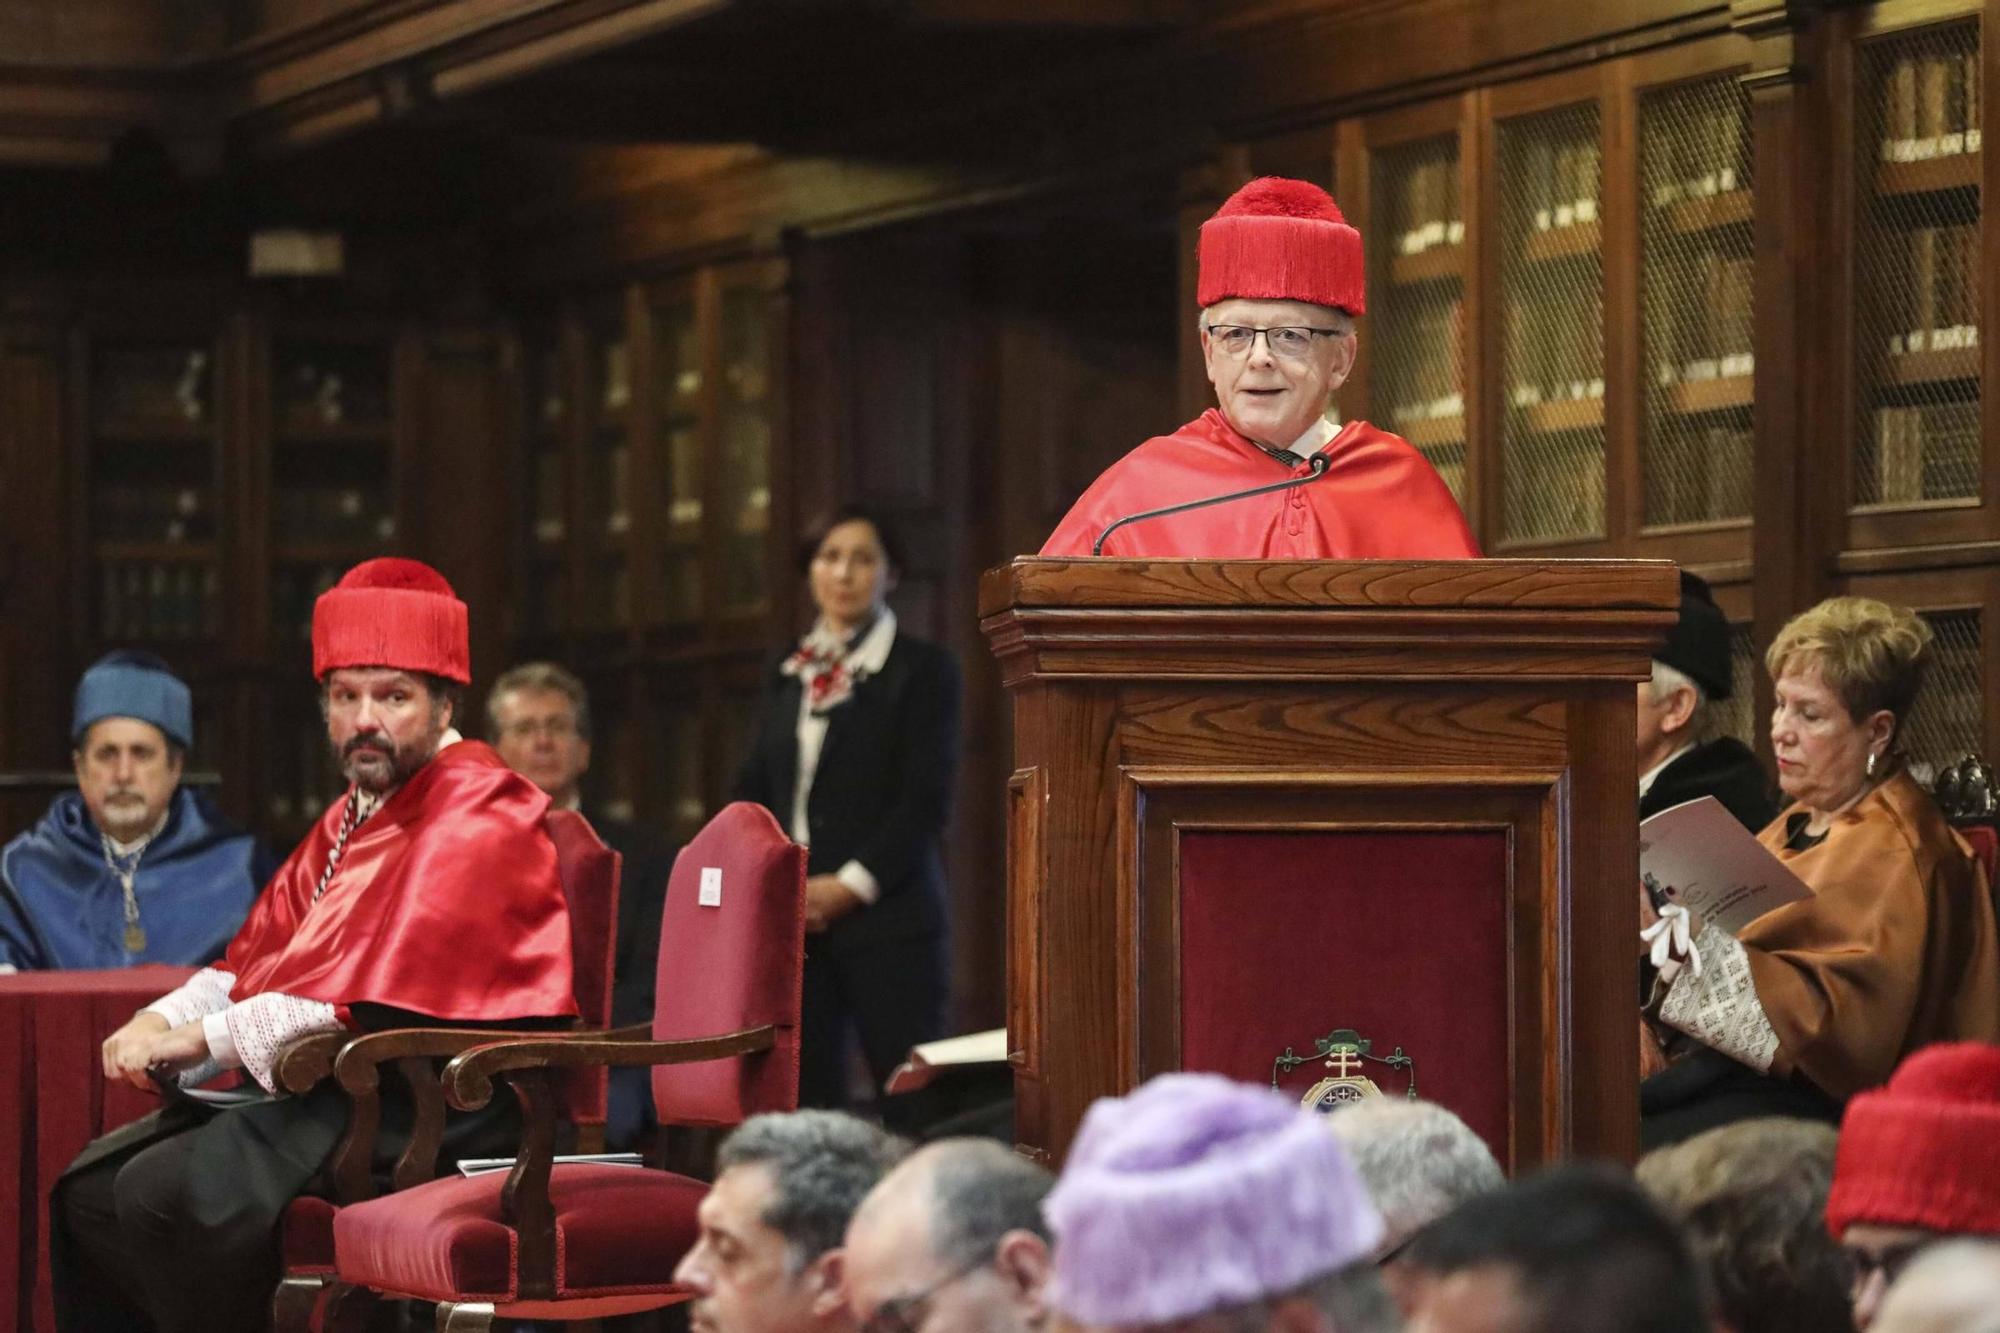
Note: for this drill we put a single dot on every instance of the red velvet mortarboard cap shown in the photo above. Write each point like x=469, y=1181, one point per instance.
x=1281, y=240
x=1924, y=1150
x=392, y=613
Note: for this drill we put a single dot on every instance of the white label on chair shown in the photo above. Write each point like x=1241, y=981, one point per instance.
x=711, y=887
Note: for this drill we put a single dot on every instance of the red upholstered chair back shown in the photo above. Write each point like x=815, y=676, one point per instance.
x=732, y=959
x=589, y=872
x=1985, y=843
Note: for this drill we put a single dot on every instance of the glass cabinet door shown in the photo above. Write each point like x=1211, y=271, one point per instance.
x=678, y=397
x=1418, y=375
x=745, y=442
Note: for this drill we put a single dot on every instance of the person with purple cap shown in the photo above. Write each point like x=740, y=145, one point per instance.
x=1198, y=1202
x=131, y=867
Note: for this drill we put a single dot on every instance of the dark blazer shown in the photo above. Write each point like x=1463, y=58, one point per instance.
x=648, y=858
x=882, y=790
x=1723, y=768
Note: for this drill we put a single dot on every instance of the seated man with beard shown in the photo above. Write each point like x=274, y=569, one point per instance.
x=429, y=891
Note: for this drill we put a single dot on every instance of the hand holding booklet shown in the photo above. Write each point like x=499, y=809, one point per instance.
x=1697, y=855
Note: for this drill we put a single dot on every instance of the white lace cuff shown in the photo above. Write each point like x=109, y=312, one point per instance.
x=1718, y=1006
x=204, y=993
x=260, y=1026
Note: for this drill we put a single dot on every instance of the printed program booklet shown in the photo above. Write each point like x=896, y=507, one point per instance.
x=1697, y=855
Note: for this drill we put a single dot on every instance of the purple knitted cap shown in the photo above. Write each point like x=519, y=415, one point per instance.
x=1196, y=1193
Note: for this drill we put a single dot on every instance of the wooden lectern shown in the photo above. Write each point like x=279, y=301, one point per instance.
x=1256, y=802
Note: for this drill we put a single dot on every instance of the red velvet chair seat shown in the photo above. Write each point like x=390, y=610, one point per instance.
x=619, y=1230
x=306, y=1236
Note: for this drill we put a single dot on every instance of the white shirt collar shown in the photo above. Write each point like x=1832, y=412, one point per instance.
x=1646, y=778
x=1316, y=437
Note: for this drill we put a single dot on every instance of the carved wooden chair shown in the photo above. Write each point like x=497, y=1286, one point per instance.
x=580, y=1242
x=1970, y=798
x=589, y=872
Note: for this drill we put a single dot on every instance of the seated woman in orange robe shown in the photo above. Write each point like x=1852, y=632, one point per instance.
x=1896, y=948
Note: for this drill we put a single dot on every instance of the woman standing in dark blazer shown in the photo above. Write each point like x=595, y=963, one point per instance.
x=856, y=752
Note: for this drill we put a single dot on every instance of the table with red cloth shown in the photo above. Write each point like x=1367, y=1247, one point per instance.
x=54, y=1099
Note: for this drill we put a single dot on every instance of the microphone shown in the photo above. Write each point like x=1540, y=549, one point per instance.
x=1319, y=465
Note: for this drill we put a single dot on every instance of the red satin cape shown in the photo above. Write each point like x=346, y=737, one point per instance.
x=447, y=902
x=1379, y=500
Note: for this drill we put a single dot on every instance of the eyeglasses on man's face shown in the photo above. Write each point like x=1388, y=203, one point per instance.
x=908, y=1314
x=1291, y=342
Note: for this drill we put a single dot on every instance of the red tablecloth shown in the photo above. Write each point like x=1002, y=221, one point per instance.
x=54, y=1099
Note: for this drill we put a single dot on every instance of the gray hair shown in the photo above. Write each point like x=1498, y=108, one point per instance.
x=822, y=1164
x=1666, y=679
x=1418, y=1160
x=980, y=1191
x=540, y=676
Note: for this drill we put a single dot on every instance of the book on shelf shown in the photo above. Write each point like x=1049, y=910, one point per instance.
x=1899, y=455
x=1930, y=106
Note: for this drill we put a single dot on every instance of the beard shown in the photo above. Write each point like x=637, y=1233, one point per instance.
x=124, y=815
x=375, y=764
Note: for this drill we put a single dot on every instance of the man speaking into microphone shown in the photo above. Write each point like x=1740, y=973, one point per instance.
x=1281, y=284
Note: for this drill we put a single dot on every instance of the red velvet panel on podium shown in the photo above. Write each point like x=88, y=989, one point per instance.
x=1259, y=803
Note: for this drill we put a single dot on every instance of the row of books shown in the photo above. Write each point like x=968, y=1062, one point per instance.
x=1706, y=156
x=1553, y=493
x=1709, y=329
x=334, y=385
x=1420, y=365
x=1425, y=209
x=1698, y=474
x=1930, y=106
x=154, y=384
x=1923, y=453
x=294, y=588
x=1555, y=346
x=1559, y=181
x=306, y=781
x=1941, y=291
x=334, y=513
x=144, y=513
x=156, y=600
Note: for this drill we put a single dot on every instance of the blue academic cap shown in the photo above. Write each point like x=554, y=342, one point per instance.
x=134, y=684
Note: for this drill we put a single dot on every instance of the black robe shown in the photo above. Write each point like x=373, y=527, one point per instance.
x=1723, y=768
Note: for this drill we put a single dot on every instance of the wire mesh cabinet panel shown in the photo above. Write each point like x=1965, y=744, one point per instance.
x=1551, y=312
x=1916, y=266
x=1417, y=300
x=1696, y=284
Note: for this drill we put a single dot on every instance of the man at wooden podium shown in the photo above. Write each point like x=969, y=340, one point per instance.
x=1281, y=284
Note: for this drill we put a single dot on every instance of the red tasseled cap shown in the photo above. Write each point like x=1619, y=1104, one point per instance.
x=1281, y=240
x=392, y=613
x=1924, y=1150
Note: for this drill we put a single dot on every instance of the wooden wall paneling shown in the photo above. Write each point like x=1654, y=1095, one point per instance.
x=1355, y=399
x=645, y=490
x=1202, y=190
x=1800, y=377
x=35, y=597
x=1618, y=216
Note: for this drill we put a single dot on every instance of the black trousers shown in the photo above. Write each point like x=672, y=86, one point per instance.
x=171, y=1223
x=890, y=995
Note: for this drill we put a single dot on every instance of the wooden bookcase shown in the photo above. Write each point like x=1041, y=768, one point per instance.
x=651, y=547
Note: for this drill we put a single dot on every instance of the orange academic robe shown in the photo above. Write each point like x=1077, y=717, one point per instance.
x=1896, y=949
x=1379, y=500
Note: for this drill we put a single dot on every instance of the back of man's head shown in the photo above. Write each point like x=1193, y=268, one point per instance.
x=1418, y=1160
x=821, y=1163
x=1751, y=1198
x=1576, y=1249
x=980, y=1191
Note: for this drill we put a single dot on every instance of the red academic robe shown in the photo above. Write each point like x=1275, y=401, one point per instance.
x=447, y=902
x=1379, y=500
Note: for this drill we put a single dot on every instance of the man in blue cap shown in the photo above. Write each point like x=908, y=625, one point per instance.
x=130, y=867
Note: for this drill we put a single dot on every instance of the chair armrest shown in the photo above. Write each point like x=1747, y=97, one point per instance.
x=304, y=1061
x=358, y=1068
x=468, y=1079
